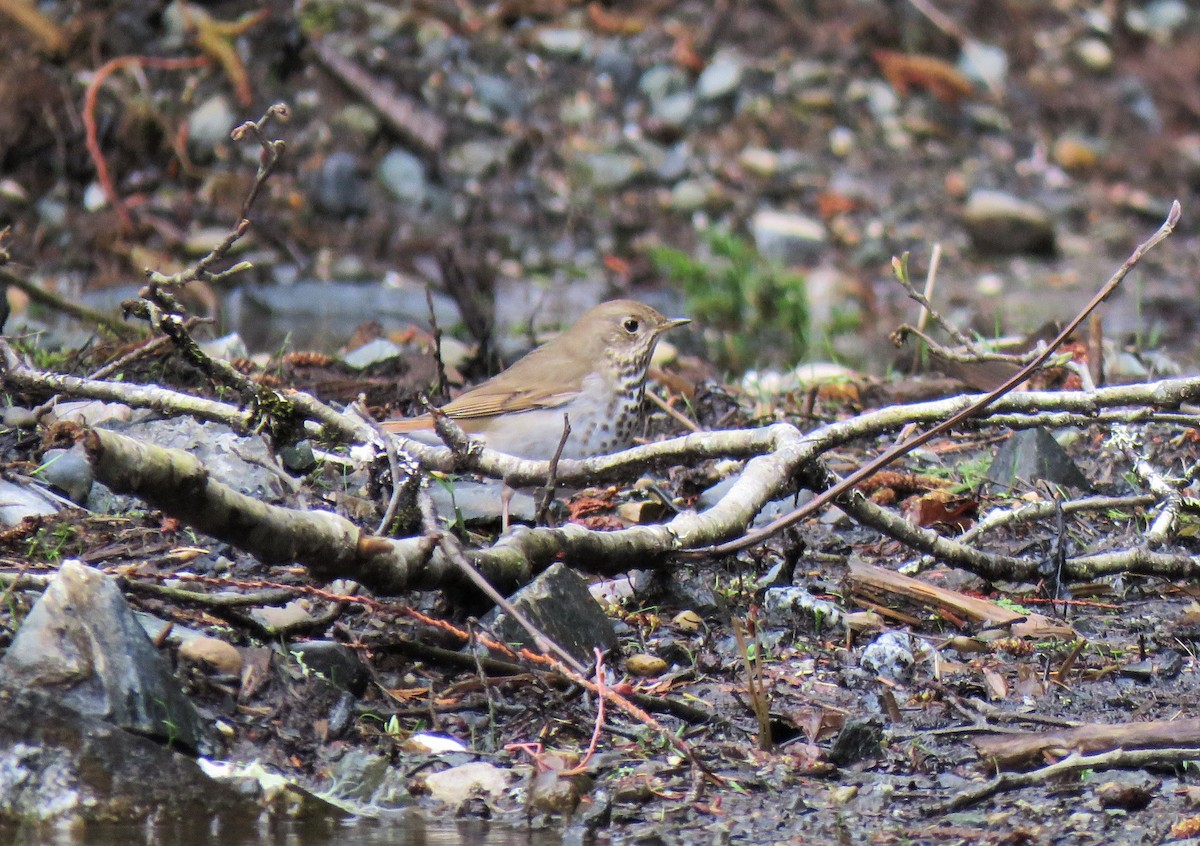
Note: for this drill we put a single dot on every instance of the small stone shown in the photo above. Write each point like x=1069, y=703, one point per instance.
x=1132, y=792
x=644, y=665
x=20, y=501
x=1160, y=19
x=338, y=188
x=721, y=78
x=13, y=191
x=676, y=110
x=403, y=175
x=562, y=42
x=458, y=784
x=841, y=141
x=1001, y=223
x=298, y=457
x=689, y=195
x=68, y=470
x=372, y=352
x=478, y=158
x=227, y=348
x=759, y=161
x=94, y=197
x=788, y=238
x=611, y=171
x=336, y=662
x=359, y=121
x=213, y=653
x=983, y=63
x=19, y=417
x=661, y=81
x=1076, y=153
x=209, y=126
x=687, y=621
x=646, y=511
x=1094, y=54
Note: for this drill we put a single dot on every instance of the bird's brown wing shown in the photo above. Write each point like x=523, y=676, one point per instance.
x=488, y=401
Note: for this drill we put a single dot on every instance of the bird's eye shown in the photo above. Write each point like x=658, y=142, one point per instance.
x=631, y=325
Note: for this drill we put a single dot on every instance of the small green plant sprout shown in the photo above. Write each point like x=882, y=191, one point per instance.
x=754, y=311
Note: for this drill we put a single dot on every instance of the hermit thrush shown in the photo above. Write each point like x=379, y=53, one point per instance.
x=594, y=373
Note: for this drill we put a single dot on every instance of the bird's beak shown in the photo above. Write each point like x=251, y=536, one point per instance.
x=675, y=323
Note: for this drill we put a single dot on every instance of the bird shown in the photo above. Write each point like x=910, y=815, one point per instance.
x=594, y=373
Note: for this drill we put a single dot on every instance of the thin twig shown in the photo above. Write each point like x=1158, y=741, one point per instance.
x=546, y=495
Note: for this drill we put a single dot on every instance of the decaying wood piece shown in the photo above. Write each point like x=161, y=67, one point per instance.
x=883, y=587
x=1020, y=751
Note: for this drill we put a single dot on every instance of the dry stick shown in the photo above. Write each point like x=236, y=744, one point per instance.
x=905, y=447
x=1073, y=763
x=43, y=297
x=935, y=259
x=547, y=493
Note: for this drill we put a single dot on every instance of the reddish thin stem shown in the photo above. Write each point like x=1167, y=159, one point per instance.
x=89, y=119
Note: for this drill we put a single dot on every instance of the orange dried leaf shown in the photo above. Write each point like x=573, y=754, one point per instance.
x=905, y=72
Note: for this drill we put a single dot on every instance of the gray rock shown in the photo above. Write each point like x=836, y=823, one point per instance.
x=361, y=122
x=1031, y=456
x=209, y=126
x=558, y=604
x=227, y=348
x=339, y=187
x=82, y=644
x=1160, y=19
x=788, y=238
x=794, y=607
x=675, y=110
x=721, y=78
x=20, y=501
x=298, y=457
x=857, y=741
x=661, y=81
x=240, y=462
x=68, y=470
x=338, y=663
x=610, y=171
x=674, y=164
x=321, y=315
x=986, y=64
x=614, y=60
x=403, y=175
x=890, y=655
x=18, y=417
x=1001, y=223
x=689, y=195
x=369, y=781
x=59, y=766
x=500, y=94
x=372, y=352
x=477, y=501
x=478, y=158
x=562, y=42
